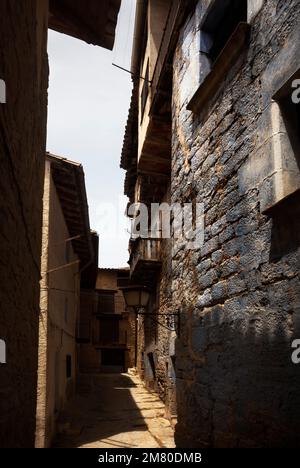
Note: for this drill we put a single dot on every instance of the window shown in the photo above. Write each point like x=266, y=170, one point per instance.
x=68, y=252
x=2, y=352
x=2, y=92
x=290, y=112
x=220, y=23
x=85, y=330
x=152, y=364
x=173, y=361
x=69, y=366
x=274, y=166
x=109, y=331
x=224, y=35
x=142, y=360
x=66, y=309
x=145, y=91
x=106, y=303
x=113, y=357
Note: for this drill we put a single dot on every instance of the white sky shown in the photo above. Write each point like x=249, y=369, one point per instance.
x=88, y=108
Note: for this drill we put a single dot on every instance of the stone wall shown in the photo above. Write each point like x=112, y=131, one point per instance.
x=23, y=66
x=166, y=383
x=240, y=293
x=156, y=348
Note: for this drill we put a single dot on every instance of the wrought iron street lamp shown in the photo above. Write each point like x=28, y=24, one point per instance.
x=138, y=298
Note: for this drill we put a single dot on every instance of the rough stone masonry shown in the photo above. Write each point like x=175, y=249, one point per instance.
x=239, y=294
x=24, y=68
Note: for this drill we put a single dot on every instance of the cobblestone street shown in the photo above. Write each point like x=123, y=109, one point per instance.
x=114, y=411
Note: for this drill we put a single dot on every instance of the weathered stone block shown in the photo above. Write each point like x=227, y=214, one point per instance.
x=236, y=285
x=207, y=279
x=254, y=7
x=204, y=266
x=232, y=248
x=199, y=339
x=210, y=246
x=216, y=257
x=229, y=267
x=226, y=235
x=219, y=292
x=204, y=299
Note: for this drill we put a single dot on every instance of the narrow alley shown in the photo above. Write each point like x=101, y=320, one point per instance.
x=149, y=226
x=114, y=411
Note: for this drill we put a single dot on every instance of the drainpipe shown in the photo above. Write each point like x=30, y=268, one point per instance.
x=141, y=10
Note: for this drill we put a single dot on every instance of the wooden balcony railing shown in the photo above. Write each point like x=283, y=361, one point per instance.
x=144, y=253
x=120, y=341
x=109, y=344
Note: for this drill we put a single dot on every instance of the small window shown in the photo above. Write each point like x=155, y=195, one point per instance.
x=109, y=331
x=68, y=252
x=2, y=352
x=69, y=366
x=143, y=360
x=290, y=111
x=66, y=309
x=106, y=303
x=224, y=36
x=173, y=361
x=221, y=22
x=2, y=92
x=85, y=330
x=152, y=364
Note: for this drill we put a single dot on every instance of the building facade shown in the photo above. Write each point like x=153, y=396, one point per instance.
x=23, y=119
x=214, y=123
x=106, y=330
x=23, y=58
x=66, y=251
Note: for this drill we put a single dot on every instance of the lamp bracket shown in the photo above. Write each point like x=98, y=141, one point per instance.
x=170, y=326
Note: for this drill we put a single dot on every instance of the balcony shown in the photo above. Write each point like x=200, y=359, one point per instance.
x=109, y=345
x=154, y=152
x=145, y=260
x=155, y=135
x=162, y=76
x=163, y=71
x=106, y=339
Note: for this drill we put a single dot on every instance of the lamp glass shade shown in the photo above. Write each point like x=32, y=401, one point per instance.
x=145, y=296
x=136, y=296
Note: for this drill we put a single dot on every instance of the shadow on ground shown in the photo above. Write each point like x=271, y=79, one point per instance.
x=113, y=411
